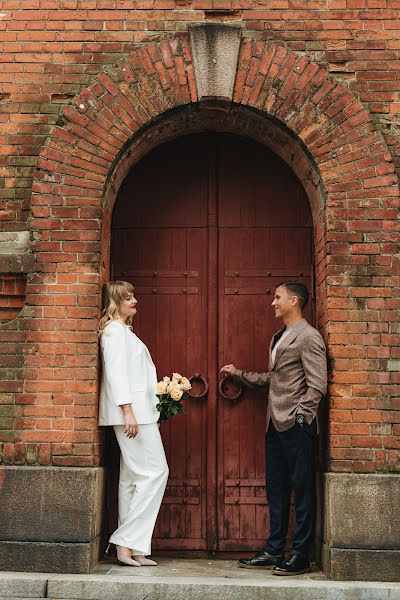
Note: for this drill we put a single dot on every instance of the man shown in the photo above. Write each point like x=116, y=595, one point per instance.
x=297, y=380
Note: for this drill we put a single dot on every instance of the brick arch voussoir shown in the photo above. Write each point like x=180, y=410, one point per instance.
x=333, y=124
x=103, y=117
x=67, y=213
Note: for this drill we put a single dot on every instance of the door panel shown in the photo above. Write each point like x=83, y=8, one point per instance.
x=265, y=238
x=169, y=294
x=160, y=244
x=168, y=188
x=205, y=228
x=246, y=327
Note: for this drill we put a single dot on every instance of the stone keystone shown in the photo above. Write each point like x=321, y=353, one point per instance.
x=215, y=50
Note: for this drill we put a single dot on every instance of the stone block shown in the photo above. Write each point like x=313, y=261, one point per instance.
x=364, y=565
x=215, y=50
x=14, y=252
x=51, y=504
x=361, y=535
x=14, y=242
x=53, y=557
x=23, y=585
x=361, y=511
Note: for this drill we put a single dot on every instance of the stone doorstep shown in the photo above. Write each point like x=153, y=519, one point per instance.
x=124, y=583
x=23, y=585
x=139, y=587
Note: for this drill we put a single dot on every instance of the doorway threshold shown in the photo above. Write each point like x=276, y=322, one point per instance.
x=202, y=569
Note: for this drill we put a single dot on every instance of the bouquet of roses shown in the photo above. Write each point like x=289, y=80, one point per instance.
x=170, y=392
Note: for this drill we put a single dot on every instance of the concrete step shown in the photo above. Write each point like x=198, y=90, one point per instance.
x=23, y=585
x=199, y=579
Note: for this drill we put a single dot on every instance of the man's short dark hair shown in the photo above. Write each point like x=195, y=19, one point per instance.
x=297, y=289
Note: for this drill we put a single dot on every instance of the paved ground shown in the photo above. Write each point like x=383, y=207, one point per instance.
x=199, y=568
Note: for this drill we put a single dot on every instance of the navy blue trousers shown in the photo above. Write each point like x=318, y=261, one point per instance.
x=290, y=461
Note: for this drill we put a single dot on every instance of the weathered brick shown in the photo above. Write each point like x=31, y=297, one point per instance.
x=53, y=53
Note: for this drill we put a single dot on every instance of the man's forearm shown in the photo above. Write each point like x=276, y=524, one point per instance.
x=253, y=379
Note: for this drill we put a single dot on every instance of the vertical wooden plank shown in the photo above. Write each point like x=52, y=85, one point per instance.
x=196, y=355
x=212, y=317
x=247, y=412
x=229, y=205
x=177, y=334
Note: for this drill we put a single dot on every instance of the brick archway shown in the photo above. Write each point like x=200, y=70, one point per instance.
x=336, y=139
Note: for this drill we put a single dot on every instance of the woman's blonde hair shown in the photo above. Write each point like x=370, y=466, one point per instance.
x=114, y=292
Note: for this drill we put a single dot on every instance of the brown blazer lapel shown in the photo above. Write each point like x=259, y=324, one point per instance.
x=297, y=329
x=272, y=343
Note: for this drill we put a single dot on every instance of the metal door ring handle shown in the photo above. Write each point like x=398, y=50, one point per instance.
x=222, y=387
x=198, y=377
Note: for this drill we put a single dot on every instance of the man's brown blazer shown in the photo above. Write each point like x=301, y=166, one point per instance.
x=298, y=378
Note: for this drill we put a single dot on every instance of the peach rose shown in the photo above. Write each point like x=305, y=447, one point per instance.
x=185, y=384
x=176, y=394
x=161, y=388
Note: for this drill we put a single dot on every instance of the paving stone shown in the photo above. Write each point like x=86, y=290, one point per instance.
x=23, y=585
x=199, y=579
x=138, y=587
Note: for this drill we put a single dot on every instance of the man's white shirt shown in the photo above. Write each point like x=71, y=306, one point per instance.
x=278, y=343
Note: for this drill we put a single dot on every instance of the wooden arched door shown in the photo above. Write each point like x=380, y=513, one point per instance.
x=205, y=227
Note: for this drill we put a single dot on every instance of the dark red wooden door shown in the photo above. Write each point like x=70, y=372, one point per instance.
x=205, y=227
x=265, y=234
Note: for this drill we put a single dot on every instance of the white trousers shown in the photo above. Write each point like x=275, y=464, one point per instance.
x=142, y=480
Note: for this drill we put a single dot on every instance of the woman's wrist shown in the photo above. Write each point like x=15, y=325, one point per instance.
x=127, y=408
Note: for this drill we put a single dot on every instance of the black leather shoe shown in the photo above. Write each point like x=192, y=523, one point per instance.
x=262, y=560
x=295, y=565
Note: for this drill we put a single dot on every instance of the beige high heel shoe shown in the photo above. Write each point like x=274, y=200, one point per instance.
x=144, y=562
x=126, y=559
x=123, y=559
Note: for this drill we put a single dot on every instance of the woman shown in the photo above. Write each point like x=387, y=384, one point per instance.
x=128, y=402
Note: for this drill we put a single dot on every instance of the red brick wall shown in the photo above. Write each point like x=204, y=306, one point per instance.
x=58, y=47
x=50, y=51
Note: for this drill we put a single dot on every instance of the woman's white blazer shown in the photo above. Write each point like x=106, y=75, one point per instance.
x=128, y=377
